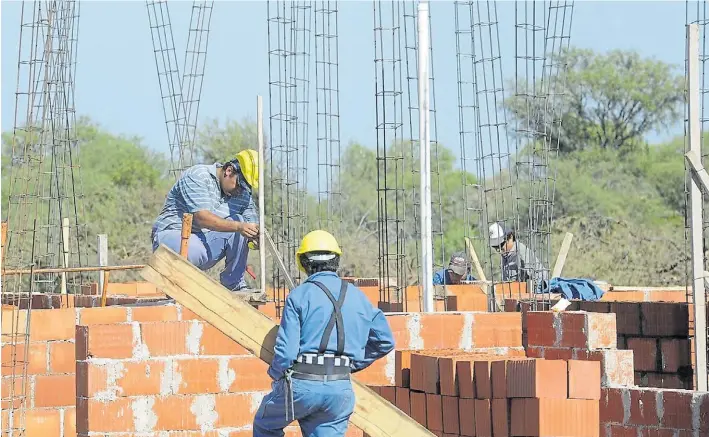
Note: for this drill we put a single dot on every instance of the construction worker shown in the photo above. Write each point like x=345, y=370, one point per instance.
x=458, y=270
x=224, y=216
x=518, y=261
x=328, y=330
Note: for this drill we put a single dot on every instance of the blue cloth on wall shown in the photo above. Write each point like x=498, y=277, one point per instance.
x=575, y=288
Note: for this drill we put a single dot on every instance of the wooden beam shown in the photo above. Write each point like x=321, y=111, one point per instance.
x=72, y=269
x=185, y=234
x=563, y=253
x=256, y=332
x=474, y=258
x=102, y=257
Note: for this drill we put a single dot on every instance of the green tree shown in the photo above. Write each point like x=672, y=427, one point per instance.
x=610, y=100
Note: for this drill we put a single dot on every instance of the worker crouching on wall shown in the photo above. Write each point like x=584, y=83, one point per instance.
x=328, y=330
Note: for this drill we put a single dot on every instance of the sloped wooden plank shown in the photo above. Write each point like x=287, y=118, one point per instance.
x=256, y=332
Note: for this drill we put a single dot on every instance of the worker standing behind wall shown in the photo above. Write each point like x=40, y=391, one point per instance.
x=225, y=218
x=458, y=270
x=518, y=262
x=328, y=330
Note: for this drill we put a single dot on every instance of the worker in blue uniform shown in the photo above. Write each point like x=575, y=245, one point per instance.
x=458, y=270
x=328, y=330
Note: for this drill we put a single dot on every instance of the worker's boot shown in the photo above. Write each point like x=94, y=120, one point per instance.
x=250, y=295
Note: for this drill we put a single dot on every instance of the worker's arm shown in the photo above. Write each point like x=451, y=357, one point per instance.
x=285, y=352
x=198, y=200
x=438, y=277
x=208, y=220
x=380, y=342
x=251, y=212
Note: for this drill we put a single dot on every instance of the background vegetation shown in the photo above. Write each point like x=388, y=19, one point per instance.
x=621, y=197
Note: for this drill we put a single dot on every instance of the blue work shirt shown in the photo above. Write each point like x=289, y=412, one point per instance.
x=306, y=313
x=442, y=275
x=198, y=189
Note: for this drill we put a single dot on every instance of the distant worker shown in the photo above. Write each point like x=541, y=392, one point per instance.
x=224, y=217
x=518, y=261
x=328, y=330
x=458, y=270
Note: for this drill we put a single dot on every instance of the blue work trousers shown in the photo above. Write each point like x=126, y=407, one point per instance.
x=205, y=250
x=322, y=409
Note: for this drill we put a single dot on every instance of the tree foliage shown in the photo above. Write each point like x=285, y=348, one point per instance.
x=622, y=199
x=608, y=100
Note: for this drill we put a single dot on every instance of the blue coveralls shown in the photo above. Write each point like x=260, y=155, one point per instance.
x=322, y=408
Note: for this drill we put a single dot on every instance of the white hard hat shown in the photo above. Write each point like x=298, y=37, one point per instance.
x=497, y=234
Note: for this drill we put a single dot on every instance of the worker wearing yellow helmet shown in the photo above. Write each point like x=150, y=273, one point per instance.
x=328, y=330
x=224, y=216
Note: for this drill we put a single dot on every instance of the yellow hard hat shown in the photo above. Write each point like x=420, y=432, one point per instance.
x=317, y=241
x=248, y=161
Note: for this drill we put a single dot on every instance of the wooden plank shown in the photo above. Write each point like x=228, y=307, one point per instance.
x=474, y=257
x=256, y=332
x=563, y=253
x=102, y=257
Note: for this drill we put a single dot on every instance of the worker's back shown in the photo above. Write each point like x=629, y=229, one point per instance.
x=315, y=309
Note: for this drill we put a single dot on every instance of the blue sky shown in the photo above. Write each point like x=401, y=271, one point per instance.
x=117, y=86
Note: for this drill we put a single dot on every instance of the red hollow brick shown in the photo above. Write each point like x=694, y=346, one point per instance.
x=497, y=330
x=584, y=379
x=588, y=330
x=42, y=422
x=403, y=401
x=622, y=431
x=500, y=418
x=613, y=405
x=677, y=406
x=466, y=414
x=483, y=384
x=62, y=357
x=483, y=418
x=643, y=407
x=434, y=412
x=665, y=319
x=388, y=393
x=418, y=407
x=627, y=317
x=540, y=328
x=104, y=341
x=450, y=415
x=541, y=417
x=645, y=356
x=54, y=324
x=464, y=373
x=54, y=391
x=537, y=378
x=675, y=354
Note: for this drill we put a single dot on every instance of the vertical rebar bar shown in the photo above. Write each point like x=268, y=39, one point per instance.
x=391, y=215
x=327, y=103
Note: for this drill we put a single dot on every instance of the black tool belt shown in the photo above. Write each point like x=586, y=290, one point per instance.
x=321, y=367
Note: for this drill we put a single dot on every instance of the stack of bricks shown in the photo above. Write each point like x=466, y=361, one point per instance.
x=583, y=336
x=658, y=333
x=454, y=393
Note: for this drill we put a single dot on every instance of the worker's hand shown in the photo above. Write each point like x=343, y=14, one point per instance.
x=254, y=244
x=249, y=230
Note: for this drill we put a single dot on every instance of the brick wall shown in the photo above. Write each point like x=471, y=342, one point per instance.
x=138, y=364
x=654, y=412
x=658, y=333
